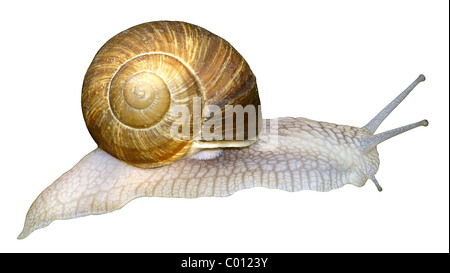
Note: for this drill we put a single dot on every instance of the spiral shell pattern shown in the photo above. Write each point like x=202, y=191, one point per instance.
x=138, y=77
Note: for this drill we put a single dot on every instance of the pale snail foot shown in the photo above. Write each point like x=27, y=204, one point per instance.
x=299, y=156
x=99, y=183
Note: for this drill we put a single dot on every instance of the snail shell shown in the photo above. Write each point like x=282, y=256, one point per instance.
x=138, y=78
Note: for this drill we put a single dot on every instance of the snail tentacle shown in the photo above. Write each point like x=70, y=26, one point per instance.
x=372, y=126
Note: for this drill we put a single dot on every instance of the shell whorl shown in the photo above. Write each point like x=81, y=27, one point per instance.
x=138, y=77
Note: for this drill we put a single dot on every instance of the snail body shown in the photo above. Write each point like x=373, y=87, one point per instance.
x=291, y=154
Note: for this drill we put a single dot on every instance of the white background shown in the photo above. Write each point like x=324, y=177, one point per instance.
x=335, y=61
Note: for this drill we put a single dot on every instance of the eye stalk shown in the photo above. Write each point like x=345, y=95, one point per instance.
x=370, y=142
x=372, y=126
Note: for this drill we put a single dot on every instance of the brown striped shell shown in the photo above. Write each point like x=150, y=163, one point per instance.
x=136, y=80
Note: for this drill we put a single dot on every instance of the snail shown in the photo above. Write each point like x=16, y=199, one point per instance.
x=175, y=112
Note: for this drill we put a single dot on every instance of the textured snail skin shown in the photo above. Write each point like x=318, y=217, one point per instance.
x=302, y=155
x=297, y=154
